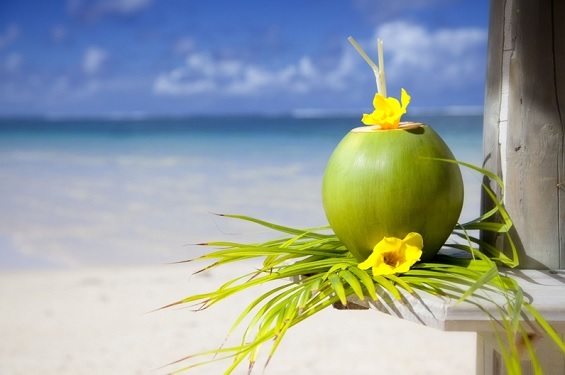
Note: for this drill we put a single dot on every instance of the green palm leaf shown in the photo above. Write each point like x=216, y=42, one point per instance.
x=310, y=269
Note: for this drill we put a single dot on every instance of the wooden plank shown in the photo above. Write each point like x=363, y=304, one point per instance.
x=534, y=137
x=493, y=97
x=525, y=82
x=546, y=289
x=559, y=35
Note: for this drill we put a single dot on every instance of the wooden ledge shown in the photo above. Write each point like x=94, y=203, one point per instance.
x=544, y=289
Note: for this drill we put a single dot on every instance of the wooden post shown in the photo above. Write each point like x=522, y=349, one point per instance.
x=524, y=126
x=524, y=132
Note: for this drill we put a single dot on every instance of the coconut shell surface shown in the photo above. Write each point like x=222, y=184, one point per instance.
x=388, y=183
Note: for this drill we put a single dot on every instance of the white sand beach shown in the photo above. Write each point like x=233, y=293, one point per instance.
x=100, y=321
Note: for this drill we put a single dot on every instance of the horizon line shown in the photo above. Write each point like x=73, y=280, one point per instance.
x=458, y=110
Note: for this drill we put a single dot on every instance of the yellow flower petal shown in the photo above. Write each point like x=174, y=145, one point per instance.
x=393, y=106
x=404, y=267
x=412, y=254
x=368, y=263
x=388, y=244
x=368, y=119
x=393, y=255
x=383, y=269
x=405, y=99
x=388, y=111
x=414, y=239
x=379, y=101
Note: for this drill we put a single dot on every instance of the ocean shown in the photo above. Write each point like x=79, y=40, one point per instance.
x=101, y=192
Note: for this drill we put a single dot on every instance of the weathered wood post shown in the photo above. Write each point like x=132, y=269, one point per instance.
x=524, y=124
x=524, y=130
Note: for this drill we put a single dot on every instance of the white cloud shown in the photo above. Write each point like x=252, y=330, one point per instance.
x=380, y=11
x=441, y=58
x=13, y=62
x=59, y=34
x=203, y=74
x=416, y=57
x=170, y=84
x=184, y=45
x=123, y=6
x=348, y=65
x=9, y=36
x=92, y=9
x=93, y=59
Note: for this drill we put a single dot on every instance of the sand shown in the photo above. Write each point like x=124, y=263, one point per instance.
x=101, y=321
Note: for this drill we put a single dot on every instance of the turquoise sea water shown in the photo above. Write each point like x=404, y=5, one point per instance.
x=104, y=192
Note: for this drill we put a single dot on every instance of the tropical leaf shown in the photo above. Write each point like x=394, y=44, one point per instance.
x=354, y=282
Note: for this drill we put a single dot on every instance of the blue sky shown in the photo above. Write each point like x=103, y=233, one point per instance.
x=178, y=57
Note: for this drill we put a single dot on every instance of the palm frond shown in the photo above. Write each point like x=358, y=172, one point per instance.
x=310, y=270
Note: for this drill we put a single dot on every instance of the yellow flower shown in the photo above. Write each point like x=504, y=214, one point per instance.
x=388, y=111
x=393, y=255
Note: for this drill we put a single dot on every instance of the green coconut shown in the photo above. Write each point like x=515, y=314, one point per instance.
x=388, y=183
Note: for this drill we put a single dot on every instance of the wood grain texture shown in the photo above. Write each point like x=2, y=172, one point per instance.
x=525, y=82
